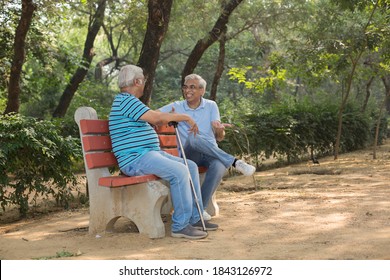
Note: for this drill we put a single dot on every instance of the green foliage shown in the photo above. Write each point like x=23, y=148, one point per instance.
x=45, y=75
x=3, y=103
x=96, y=95
x=8, y=19
x=280, y=56
x=352, y=4
x=262, y=79
x=35, y=161
x=293, y=130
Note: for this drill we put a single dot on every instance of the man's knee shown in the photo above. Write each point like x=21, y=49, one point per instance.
x=192, y=164
x=177, y=170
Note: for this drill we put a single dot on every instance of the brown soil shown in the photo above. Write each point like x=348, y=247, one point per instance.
x=339, y=209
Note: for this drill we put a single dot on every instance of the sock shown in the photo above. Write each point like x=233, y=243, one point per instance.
x=234, y=162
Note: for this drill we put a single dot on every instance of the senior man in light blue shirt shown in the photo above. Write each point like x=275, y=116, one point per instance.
x=203, y=148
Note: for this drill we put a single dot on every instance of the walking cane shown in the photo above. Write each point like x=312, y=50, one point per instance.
x=174, y=124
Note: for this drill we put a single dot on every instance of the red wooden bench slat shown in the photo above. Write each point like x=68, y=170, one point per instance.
x=98, y=160
x=172, y=151
x=167, y=141
x=97, y=143
x=121, y=180
x=94, y=126
x=165, y=129
x=202, y=169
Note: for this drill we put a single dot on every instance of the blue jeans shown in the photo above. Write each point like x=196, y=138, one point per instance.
x=207, y=154
x=173, y=170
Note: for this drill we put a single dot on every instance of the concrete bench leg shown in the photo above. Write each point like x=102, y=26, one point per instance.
x=149, y=199
x=139, y=203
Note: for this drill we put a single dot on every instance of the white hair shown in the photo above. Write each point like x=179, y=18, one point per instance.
x=128, y=74
x=202, y=82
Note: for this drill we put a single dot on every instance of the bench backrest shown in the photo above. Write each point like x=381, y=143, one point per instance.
x=97, y=142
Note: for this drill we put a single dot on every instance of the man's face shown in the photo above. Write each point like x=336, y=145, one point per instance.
x=192, y=92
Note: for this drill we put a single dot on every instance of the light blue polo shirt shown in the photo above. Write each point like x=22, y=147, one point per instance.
x=203, y=116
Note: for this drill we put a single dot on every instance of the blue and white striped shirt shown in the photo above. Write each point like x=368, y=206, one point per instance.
x=131, y=137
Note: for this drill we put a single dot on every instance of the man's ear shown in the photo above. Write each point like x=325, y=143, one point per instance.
x=138, y=81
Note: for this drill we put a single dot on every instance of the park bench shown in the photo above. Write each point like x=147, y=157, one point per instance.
x=142, y=199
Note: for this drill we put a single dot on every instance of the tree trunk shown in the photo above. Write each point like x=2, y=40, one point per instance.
x=343, y=103
x=159, y=14
x=203, y=44
x=100, y=65
x=13, y=103
x=94, y=26
x=368, y=93
x=114, y=55
x=219, y=71
x=386, y=82
x=349, y=85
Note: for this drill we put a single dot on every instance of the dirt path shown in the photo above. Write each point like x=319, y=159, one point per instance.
x=336, y=210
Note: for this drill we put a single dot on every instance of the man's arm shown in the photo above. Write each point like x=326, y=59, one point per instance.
x=160, y=118
x=169, y=108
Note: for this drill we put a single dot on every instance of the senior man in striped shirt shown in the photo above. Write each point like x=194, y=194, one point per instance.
x=137, y=149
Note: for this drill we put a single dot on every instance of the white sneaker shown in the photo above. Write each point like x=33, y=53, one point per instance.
x=206, y=216
x=245, y=168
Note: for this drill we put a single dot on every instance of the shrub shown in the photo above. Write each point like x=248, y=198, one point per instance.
x=35, y=160
x=294, y=131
